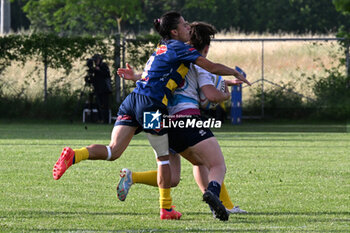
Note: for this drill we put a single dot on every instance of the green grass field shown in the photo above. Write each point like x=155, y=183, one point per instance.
x=291, y=178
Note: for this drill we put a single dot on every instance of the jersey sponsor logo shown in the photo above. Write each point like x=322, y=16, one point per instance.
x=145, y=79
x=161, y=49
x=191, y=49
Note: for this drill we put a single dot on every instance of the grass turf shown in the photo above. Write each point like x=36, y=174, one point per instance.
x=292, y=178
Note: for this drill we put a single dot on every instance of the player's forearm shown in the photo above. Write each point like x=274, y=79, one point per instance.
x=134, y=78
x=221, y=69
x=219, y=97
x=214, y=95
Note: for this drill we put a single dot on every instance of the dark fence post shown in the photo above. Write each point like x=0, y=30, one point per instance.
x=45, y=78
x=123, y=65
x=262, y=81
x=347, y=59
x=116, y=66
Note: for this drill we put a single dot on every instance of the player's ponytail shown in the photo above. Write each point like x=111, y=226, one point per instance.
x=201, y=34
x=166, y=23
x=156, y=23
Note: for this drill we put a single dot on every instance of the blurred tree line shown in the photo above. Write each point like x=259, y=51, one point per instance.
x=134, y=16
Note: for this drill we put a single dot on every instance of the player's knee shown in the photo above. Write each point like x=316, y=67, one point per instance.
x=224, y=168
x=114, y=157
x=175, y=181
x=115, y=154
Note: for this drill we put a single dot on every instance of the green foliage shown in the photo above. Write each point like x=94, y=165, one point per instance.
x=60, y=52
x=333, y=95
x=140, y=49
x=87, y=16
x=54, y=51
x=59, y=105
x=343, y=31
x=108, y=16
x=279, y=102
x=342, y=5
x=10, y=50
x=296, y=16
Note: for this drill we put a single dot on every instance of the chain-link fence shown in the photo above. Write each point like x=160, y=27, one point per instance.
x=290, y=64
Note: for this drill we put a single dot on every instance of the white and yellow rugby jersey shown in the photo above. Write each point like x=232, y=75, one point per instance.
x=187, y=96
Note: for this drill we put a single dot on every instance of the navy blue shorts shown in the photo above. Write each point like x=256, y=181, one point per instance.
x=182, y=138
x=134, y=107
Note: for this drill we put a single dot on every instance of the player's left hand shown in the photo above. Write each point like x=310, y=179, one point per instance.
x=127, y=73
x=233, y=82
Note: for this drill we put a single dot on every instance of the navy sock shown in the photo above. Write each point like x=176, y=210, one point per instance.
x=214, y=187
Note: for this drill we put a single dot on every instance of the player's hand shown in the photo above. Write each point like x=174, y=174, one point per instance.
x=242, y=78
x=127, y=73
x=227, y=92
x=233, y=82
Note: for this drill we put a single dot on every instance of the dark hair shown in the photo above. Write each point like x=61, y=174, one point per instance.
x=166, y=23
x=97, y=56
x=201, y=34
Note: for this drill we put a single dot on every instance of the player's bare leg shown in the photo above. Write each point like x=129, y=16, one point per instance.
x=160, y=145
x=128, y=177
x=208, y=153
x=200, y=174
x=120, y=139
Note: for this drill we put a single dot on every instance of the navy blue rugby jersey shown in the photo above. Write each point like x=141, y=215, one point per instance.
x=166, y=69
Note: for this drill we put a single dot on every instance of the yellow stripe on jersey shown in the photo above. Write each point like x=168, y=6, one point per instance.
x=171, y=85
x=182, y=70
x=165, y=100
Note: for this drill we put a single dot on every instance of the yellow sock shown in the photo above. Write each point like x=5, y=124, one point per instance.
x=81, y=154
x=165, y=198
x=148, y=177
x=225, y=198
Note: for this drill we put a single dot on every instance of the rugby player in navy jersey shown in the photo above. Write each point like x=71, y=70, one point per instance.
x=163, y=73
x=198, y=145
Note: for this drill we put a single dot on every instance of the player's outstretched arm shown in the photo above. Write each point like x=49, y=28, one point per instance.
x=219, y=69
x=233, y=82
x=128, y=73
